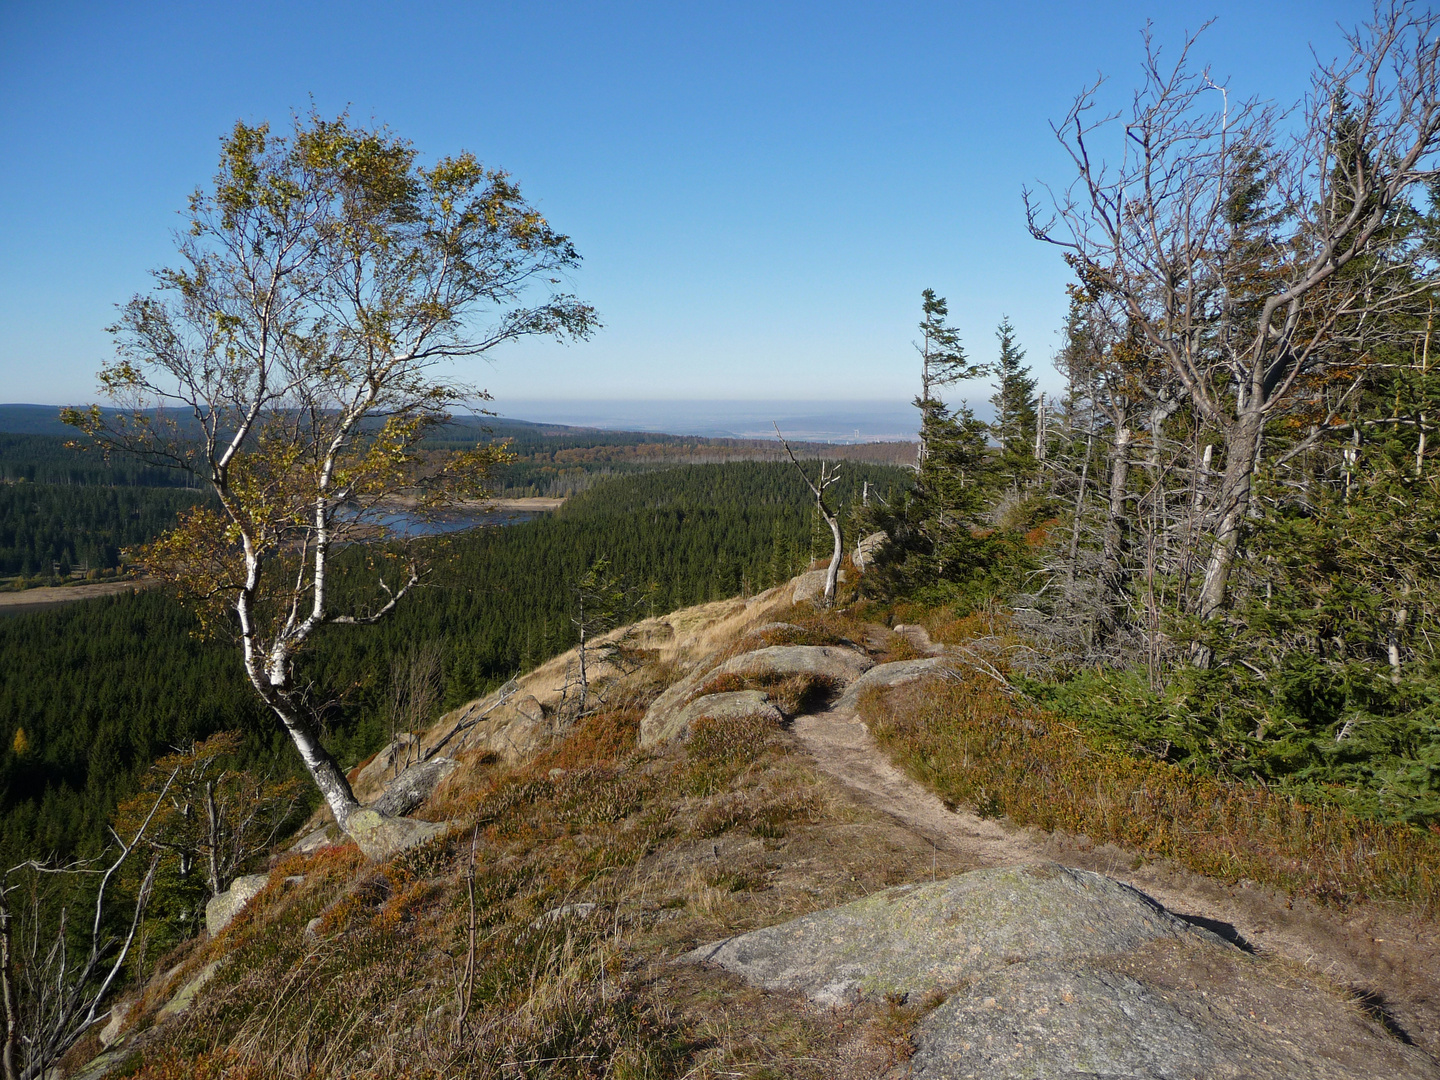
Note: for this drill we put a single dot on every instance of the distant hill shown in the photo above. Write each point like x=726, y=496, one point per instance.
x=21, y=419
x=32, y=420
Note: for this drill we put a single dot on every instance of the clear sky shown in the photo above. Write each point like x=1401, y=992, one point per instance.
x=760, y=191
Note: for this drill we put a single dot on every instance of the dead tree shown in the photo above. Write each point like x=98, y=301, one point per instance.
x=51, y=998
x=829, y=474
x=416, y=684
x=1238, y=244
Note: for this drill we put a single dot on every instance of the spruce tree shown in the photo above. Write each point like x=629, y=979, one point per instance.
x=1015, y=409
x=942, y=362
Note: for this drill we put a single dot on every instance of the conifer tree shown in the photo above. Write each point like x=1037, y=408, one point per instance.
x=1015, y=409
x=942, y=362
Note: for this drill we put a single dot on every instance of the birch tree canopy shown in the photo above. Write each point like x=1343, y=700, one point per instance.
x=294, y=358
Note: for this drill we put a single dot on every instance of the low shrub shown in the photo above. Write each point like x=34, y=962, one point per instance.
x=976, y=746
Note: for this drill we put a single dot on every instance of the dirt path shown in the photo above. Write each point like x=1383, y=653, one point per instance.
x=1389, y=958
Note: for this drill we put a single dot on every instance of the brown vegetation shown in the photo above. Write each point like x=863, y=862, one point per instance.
x=974, y=745
x=548, y=951
x=594, y=865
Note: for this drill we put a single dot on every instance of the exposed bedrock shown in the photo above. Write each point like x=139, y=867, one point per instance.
x=1041, y=970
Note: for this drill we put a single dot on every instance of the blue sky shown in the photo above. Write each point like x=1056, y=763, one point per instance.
x=759, y=191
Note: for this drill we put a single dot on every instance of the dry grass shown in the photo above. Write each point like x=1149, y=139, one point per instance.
x=596, y=863
x=974, y=746
x=791, y=694
x=899, y=647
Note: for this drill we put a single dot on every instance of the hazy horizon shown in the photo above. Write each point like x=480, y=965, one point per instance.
x=837, y=421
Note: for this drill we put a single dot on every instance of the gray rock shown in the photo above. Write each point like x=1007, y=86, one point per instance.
x=1072, y=1019
x=836, y=662
x=96, y=1067
x=809, y=586
x=913, y=939
x=381, y=837
x=895, y=674
x=514, y=727
x=403, y=751
x=661, y=724
x=577, y=912
x=919, y=637
x=867, y=549
x=1051, y=1020
x=185, y=996
x=325, y=836
x=1048, y=972
x=110, y=1033
x=223, y=907
x=658, y=725
x=413, y=786
x=727, y=706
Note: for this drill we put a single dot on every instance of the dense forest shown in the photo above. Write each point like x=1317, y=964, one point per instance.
x=47, y=459
x=92, y=692
x=52, y=529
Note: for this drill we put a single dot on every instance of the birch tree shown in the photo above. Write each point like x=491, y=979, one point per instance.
x=295, y=358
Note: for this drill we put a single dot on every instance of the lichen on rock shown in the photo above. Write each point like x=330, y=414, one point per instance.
x=913, y=939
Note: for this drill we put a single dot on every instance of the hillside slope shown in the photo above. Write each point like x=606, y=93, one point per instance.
x=541, y=934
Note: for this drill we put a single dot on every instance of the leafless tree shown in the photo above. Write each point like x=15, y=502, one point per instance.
x=1242, y=242
x=217, y=816
x=52, y=997
x=829, y=474
x=416, y=682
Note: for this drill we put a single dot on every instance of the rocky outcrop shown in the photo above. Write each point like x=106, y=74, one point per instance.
x=886, y=675
x=914, y=939
x=919, y=637
x=1045, y=971
x=809, y=587
x=677, y=724
x=223, y=907
x=514, y=727
x=867, y=549
x=110, y=1034
x=413, y=786
x=186, y=995
x=381, y=837
x=836, y=663
x=372, y=776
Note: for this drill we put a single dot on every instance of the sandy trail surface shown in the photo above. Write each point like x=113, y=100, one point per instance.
x=64, y=594
x=1388, y=957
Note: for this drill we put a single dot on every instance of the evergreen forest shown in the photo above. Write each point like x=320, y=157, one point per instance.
x=92, y=692
x=51, y=530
